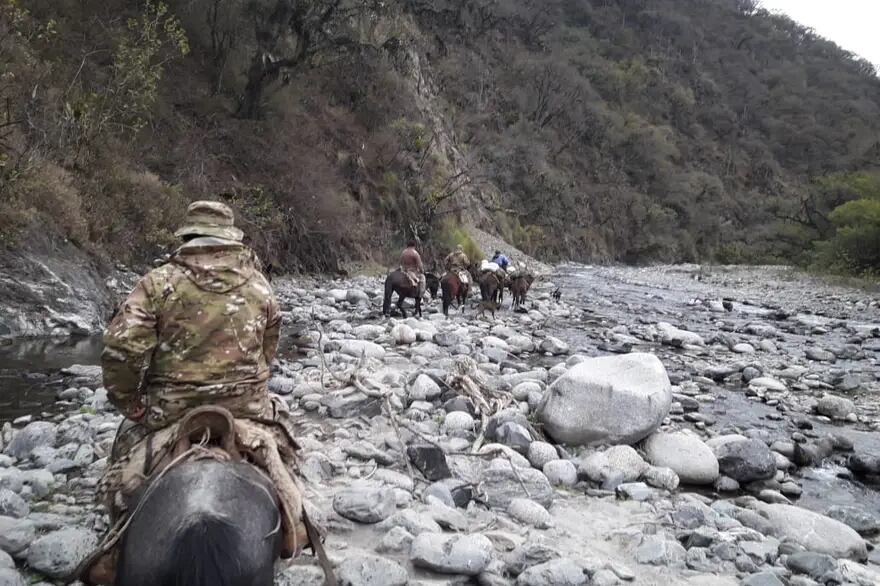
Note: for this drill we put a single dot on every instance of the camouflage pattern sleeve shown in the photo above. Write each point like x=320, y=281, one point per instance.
x=273, y=330
x=128, y=342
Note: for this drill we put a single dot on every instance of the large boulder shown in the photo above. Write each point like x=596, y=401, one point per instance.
x=612, y=399
x=816, y=532
x=685, y=454
x=746, y=460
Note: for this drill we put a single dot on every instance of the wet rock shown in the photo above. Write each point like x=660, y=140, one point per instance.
x=33, y=435
x=12, y=505
x=685, y=454
x=501, y=484
x=558, y=572
x=616, y=399
x=746, y=460
x=364, y=504
x=560, y=472
x=430, y=460
x=864, y=464
x=529, y=512
x=58, y=553
x=370, y=570
x=835, y=407
x=864, y=522
x=816, y=532
x=812, y=454
x=16, y=535
x=358, y=348
x=456, y=554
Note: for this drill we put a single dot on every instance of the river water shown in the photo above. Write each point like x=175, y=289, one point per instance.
x=29, y=377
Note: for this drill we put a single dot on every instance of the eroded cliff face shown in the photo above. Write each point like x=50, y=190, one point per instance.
x=50, y=287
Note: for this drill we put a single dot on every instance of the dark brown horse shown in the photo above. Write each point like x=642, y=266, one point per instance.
x=398, y=282
x=491, y=287
x=432, y=283
x=453, y=289
x=519, y=287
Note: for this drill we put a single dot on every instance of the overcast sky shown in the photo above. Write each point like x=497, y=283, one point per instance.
x=852, y=24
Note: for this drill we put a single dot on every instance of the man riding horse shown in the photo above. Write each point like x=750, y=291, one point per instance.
x=411, y=264
x=458, y=262
x=196, y=334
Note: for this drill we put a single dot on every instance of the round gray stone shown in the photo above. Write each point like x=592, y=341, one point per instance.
x=370, y=570
x=468, y=555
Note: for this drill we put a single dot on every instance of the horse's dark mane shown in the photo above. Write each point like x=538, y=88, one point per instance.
x=205, y=552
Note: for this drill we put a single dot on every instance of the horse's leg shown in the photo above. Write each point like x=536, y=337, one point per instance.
x=419, y=305
x=386, y=301
x=400, y=300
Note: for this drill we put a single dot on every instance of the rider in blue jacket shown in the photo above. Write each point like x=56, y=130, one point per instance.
x=501, y=260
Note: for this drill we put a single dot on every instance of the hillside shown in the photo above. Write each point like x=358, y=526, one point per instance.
x=671, y=130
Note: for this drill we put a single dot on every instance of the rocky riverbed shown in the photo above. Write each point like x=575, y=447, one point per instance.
x=670, y=425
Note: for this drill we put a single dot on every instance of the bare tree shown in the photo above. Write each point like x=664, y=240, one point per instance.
x=291, y=34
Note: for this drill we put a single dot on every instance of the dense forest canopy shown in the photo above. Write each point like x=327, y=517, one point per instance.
x=634, y=130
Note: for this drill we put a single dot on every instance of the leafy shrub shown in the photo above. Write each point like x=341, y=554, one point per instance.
x=855, y=246
x=450, y=235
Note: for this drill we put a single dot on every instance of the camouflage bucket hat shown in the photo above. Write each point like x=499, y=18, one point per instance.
x=209, y=218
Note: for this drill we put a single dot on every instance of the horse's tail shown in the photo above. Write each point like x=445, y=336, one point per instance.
x=389, y=290
x=205, y=553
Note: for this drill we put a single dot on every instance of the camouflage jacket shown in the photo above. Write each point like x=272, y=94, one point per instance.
x=202, y=329
x=457, y=261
